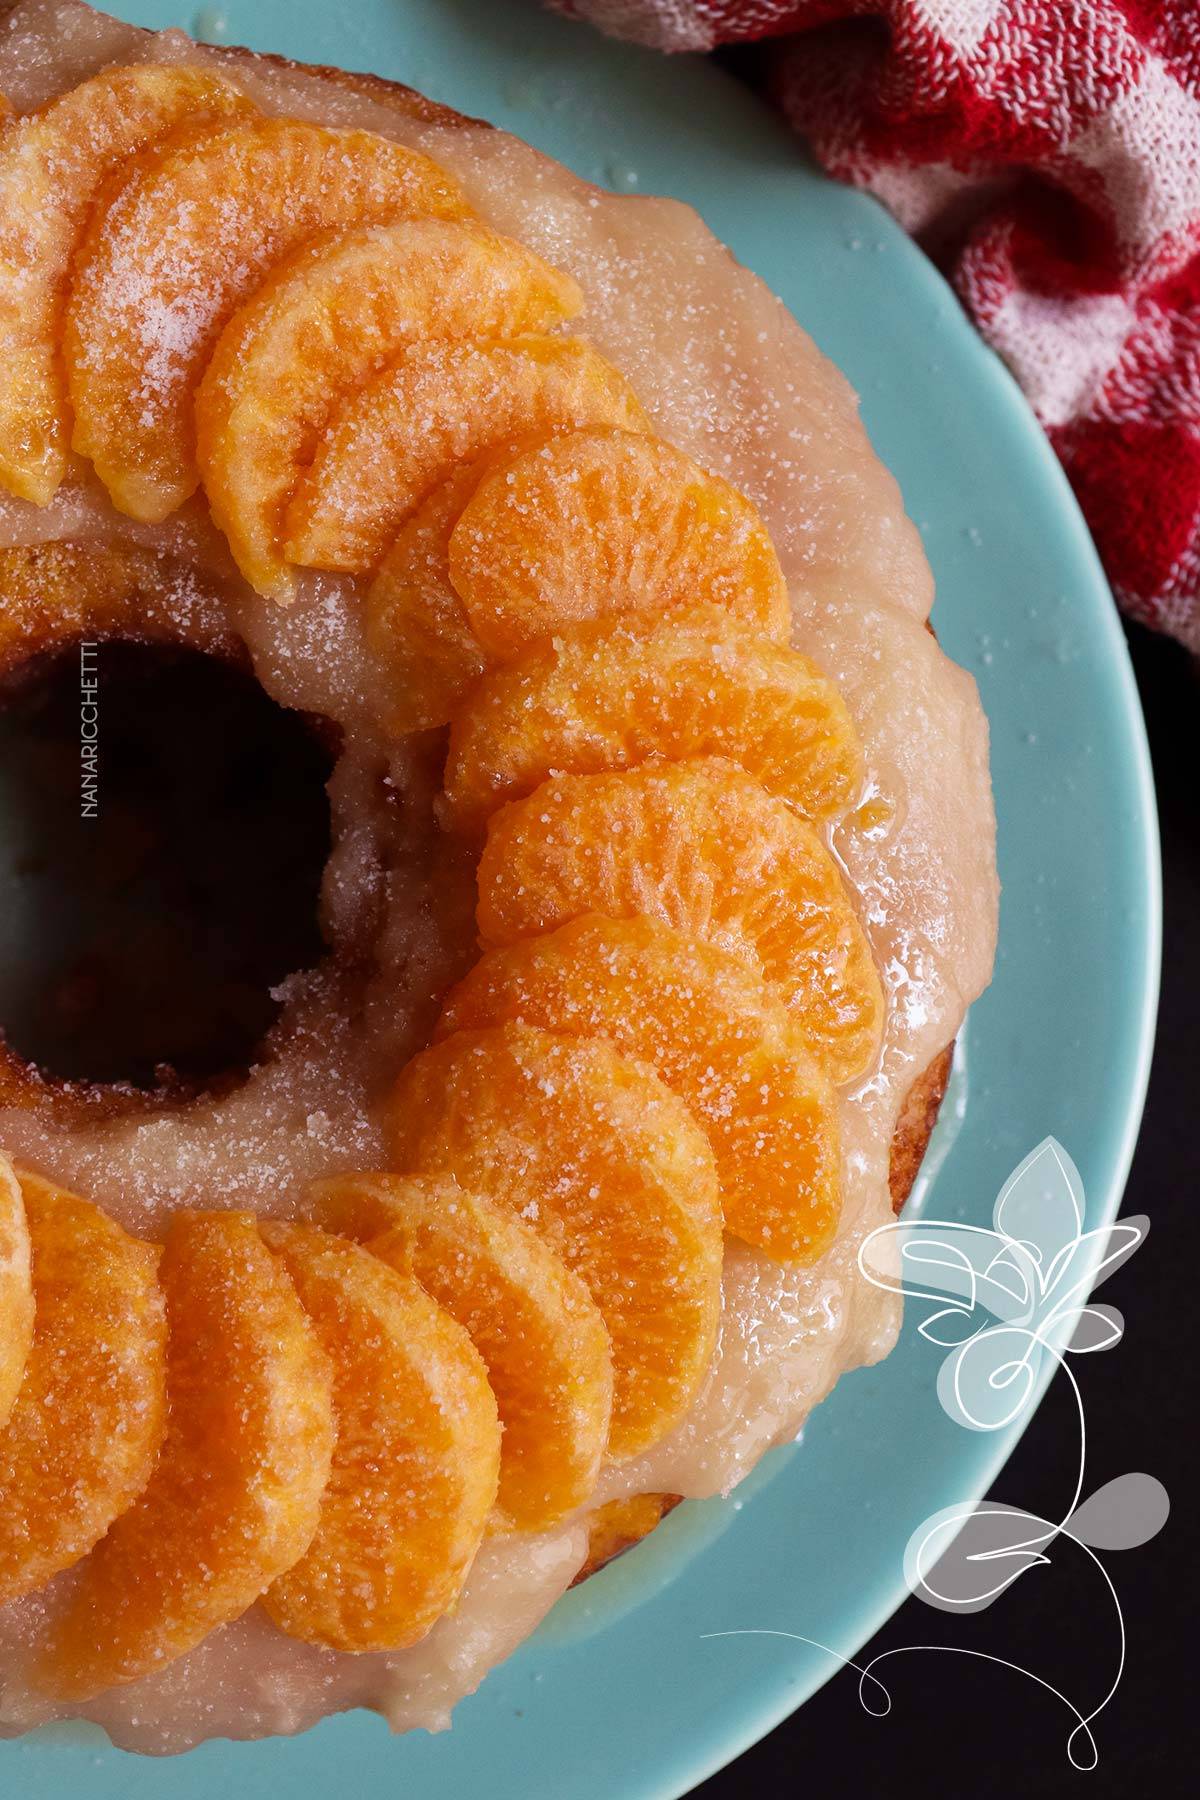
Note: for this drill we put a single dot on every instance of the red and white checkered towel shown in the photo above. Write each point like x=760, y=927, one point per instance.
x=1047, y=152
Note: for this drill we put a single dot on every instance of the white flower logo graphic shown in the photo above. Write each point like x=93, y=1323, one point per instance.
x=1019, y=1294
x=1021, y=1288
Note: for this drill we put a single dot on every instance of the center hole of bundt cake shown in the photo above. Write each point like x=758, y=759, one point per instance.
x=164, y=826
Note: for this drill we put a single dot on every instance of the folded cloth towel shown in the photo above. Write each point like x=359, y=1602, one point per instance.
x=1047, y=154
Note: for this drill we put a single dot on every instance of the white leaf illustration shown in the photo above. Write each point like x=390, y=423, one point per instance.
x=928, y=1259
x=1125, y=1512
x=1124, y=1237
x=1013, y=1272
x=1041, y=1204
x=1079, y=1270
x=965, y=1556
x=1096, y=1328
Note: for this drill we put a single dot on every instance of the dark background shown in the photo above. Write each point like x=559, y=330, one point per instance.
x=963, y=1728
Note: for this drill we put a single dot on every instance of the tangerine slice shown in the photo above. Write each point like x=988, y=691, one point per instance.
x=529, y=1316
x=416, y=625
x=610, y=1168
x=52, y=165
x=619, y=1525
x=703, y=1019
x=82, y=1438
x=415, y=1458
x=605, y=521
x=16, y=1289
x=703, y=847
x=235, y=1496
x=440, y=404
x=324, y=323
x=187, y=237
x=614, y=693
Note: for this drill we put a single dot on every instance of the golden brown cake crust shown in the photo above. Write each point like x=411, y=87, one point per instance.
x=371, y=87
x=918, y=1116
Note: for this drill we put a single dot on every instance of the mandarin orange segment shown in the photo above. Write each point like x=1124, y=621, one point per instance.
x=187, y=237
x=82, y=1438
x=440, y=404
x=530, y=1317
x=610, y=1167
x=322, y=324
x=235, y=1496
x=703, y=1019
x=619, y=1525
x=415, y=1458
x=52, y=165
x=615, y=693
x=416, y=626
x=605, y=521
x=16, y=1289
x=419, y=610
x=702, y=846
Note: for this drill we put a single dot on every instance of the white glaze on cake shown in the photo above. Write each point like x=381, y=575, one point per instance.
x=725, y=373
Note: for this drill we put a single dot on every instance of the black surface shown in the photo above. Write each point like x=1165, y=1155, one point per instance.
x=166, y=920
x=969, y=1729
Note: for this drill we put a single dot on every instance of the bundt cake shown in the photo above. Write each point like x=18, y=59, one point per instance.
x=662, y=876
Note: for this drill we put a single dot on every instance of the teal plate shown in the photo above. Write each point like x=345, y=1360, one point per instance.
x=623, y=1691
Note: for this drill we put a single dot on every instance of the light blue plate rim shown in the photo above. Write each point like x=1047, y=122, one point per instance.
x=1061, y=1043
